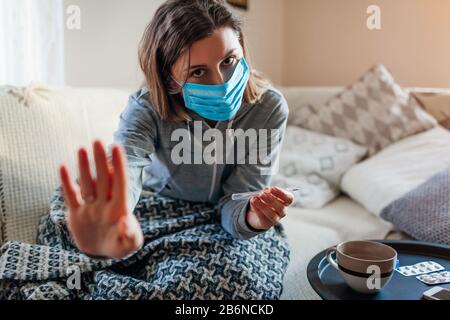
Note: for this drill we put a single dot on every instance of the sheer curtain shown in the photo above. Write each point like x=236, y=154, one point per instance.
x=31, y=42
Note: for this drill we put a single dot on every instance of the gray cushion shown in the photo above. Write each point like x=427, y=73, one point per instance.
x=424, y=213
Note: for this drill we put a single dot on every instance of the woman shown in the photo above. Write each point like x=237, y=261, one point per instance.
x=196, y=67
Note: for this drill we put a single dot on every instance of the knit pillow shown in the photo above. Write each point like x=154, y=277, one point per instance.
x=39, y=131
x=41, y=128
x=424, y=213
x=373, y=112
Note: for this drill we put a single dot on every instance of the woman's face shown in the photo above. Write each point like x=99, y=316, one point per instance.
x=213, y=59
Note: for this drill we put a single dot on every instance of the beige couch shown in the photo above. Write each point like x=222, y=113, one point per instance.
x=42, y=128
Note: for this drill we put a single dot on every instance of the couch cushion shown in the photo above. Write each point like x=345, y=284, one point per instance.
x=374, y=112
x=41, y=129
x=299, y=98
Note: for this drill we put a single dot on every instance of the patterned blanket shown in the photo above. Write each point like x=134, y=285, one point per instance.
x=186, y=255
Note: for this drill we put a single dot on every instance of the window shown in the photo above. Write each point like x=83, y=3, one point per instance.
x=31, y=42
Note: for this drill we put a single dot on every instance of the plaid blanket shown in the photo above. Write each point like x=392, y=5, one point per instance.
x=186, y=255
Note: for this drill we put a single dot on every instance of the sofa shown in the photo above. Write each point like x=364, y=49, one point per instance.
x=45, y=127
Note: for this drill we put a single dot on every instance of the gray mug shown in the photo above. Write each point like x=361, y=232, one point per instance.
x=366, y=266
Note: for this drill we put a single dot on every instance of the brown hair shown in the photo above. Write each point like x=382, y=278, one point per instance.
x=178, y=24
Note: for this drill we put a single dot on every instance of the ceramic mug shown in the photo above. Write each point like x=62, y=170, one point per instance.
x=366, y=266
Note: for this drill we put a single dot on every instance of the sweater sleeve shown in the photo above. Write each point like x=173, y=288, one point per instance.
x=136, y=133
x=252, y=177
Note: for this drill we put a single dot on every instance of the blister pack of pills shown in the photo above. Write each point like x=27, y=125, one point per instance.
x=435, y=278
x=420, y=268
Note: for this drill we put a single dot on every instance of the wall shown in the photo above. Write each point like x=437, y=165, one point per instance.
x=328, y=43
x=104, y=52
x=294, y=42
x=264, y=27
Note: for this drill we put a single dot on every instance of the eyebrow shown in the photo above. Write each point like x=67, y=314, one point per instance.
x=204, y=65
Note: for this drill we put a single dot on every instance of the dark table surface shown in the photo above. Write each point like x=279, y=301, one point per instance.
x=329, y=284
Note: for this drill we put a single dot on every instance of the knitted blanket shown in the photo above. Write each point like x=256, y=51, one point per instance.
x=186, y=255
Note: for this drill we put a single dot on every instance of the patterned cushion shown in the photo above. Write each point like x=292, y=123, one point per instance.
x=374, y=112
x=424, y=213
x=315, y=163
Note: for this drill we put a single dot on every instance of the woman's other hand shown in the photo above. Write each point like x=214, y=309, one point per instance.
x=268, y=208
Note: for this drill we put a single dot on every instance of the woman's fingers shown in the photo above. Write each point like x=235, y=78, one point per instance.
x=262, y=208
x=284, y=196
x=111, y=178
x=87, y=187
x=119, y=192
x=103, y=175
x=264, y=222
x=70, y=194
x=273, y=202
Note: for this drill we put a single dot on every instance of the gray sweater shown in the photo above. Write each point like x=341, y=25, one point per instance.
x=149, y=145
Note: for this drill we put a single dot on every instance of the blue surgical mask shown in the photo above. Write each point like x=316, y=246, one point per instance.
x=218, y=102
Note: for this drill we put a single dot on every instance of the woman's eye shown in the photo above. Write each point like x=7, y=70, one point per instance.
x=229, y=61
x=198, y=73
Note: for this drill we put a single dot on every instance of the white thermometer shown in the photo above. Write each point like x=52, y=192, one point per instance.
x=248, y=195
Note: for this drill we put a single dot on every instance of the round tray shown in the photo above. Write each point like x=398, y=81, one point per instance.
x=329, y=284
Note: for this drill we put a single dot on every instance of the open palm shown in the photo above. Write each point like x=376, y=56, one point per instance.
x=98, y=217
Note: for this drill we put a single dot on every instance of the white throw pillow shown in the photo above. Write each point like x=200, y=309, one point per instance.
x=398, y=169
x=316, y=163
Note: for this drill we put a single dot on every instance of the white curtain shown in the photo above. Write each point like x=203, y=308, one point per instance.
x=31, y=42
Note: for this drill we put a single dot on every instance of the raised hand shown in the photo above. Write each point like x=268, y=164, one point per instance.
x=98, y=217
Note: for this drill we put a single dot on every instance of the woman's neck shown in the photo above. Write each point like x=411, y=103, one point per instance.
x=211, y=123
